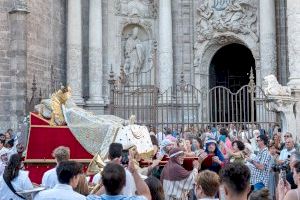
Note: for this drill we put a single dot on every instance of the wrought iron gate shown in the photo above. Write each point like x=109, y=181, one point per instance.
x=185, y=106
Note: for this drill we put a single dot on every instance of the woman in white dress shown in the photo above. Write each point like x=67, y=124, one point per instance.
x=14, y=179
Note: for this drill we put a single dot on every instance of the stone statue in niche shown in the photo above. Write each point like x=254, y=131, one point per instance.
x=134, y=53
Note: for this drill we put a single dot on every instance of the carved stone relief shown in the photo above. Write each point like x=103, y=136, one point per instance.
x=219, y=16
x=136, y=8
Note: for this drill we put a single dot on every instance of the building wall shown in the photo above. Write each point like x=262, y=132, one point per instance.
x=46, y=51
x=5, y=73
x=183, y=16
x=46, y=44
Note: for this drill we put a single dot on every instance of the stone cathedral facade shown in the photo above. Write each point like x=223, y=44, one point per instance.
x=78, y=43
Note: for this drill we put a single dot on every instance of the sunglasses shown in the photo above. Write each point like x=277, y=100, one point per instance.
x=287, y=136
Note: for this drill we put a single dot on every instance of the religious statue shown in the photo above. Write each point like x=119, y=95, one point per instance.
x=51, y=108
x=134, y=53
x=94, y=132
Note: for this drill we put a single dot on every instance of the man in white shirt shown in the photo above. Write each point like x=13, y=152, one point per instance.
x=115, y=155
x=286, y=153
x=68, y=176
x=60, y=154
x=3, y=156
x=253, y=142
x=114, y=180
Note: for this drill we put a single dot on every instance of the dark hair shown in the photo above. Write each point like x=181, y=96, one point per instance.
x=11, y=171
x=264, y=138
x=244, y=127
x=113, y=178
x=240, y=145
x=279, y=130
x=154, y=140
x=155, y=187
x=168, y=131
x=297, y=166
x=223, y=131
x=236, y=176
x=8, y=130
x=262, y=194
x=271, y=144
x=2, y=142
x=199, y=141
x=66, y=170
x=115, y=150
x=10, y=143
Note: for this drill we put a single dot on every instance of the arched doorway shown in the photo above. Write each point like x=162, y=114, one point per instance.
x=230, y=67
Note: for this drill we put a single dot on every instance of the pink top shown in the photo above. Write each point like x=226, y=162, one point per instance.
x=228, y=145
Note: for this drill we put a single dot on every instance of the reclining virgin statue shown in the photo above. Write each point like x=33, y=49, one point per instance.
x=94, y=132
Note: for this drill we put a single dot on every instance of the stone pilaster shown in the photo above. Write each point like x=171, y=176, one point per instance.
x=95, y=53
x=18, y=60
x=74, y=50
x=293, y=35
x=165, y=45
x=267, y=38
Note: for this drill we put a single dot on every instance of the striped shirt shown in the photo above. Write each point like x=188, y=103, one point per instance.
x=177, y=190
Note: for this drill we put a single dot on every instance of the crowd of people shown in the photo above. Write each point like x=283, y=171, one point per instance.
x=219, y=163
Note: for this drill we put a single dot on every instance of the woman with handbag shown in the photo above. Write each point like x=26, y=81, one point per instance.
x=14, y=180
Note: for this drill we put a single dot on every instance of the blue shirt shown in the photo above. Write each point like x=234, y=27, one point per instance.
x=115, y=197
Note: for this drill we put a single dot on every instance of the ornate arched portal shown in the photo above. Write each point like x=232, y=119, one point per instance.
x=230, y=67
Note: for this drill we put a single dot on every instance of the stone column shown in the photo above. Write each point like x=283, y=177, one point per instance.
x=267, y=38
x=95, y=53
x=18, y=61
x=293, y=35
x=165, y=45
x=74, y=50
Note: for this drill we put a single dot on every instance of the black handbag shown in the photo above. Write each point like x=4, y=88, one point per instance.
x=8, y=183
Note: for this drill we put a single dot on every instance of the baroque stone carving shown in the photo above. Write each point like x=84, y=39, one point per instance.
x=237, y=16
x=273, y=88
x=136, y=8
